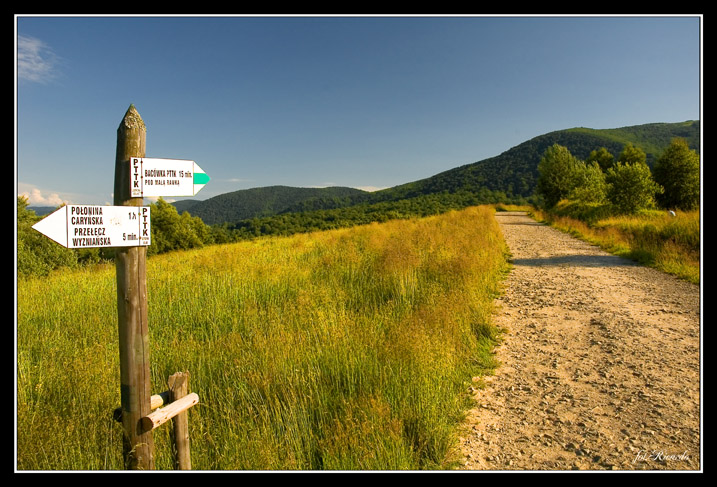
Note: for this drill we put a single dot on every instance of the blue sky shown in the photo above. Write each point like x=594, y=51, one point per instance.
x=366, y=102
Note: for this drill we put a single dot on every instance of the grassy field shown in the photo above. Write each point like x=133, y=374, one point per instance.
x=339, y=350
x=651, y=237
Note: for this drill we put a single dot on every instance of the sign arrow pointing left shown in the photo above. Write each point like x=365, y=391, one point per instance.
x=86, y=226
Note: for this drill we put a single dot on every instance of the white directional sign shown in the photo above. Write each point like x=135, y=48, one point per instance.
x=85, y=226
x=165, y=177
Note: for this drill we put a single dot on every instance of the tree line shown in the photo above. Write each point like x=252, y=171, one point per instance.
x=37, y=255
x=626, y=183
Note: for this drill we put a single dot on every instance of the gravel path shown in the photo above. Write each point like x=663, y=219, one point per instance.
x=600, y=363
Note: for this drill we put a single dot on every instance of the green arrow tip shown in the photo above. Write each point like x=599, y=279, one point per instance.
x=201, y=178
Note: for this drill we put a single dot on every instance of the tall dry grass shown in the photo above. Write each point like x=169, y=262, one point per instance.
x=340, y=350
x=651, y=237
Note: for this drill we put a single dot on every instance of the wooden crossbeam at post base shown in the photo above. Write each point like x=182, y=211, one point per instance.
x=156, y=401
x=177, y=401
x=162, y=415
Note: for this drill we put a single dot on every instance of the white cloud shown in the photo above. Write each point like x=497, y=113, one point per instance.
x=371, y=188
x=36, y=198
x=35, y=60
x=363, y=188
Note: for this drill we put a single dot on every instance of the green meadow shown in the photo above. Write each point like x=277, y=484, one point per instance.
x=347, y=349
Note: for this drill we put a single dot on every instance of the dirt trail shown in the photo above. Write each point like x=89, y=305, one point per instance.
x=600, y=365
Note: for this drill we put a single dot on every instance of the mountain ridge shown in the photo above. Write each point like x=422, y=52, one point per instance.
x=515, y=170
x=512, y=175
x=266, y=201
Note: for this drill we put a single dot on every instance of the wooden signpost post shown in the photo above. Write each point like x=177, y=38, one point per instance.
x=131, y=269
x=126, y=226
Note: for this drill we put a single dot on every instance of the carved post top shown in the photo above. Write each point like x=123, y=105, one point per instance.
x=132, y=120
x=131, y=142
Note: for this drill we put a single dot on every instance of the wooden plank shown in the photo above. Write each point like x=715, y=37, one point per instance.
x=156, y=401
x=162, y=415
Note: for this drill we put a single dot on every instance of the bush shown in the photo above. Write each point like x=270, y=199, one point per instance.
x=591, y=187
x=678, y=171
x=37, y=255
x=560, y=173
x=172, y=231
x=631, y=187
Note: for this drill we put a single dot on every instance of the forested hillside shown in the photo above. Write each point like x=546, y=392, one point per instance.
x=267, y=201
x=510, y=177
x=515, y=171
